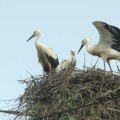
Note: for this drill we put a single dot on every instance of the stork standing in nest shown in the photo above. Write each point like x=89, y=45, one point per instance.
x=67, y=63
x=46, y=56
x=108, y=47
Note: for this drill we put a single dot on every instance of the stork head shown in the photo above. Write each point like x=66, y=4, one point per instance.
x=72, y=52
x=35, y=33
x=84, y=42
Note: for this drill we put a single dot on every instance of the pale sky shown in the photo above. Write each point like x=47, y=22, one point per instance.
x=63, y=24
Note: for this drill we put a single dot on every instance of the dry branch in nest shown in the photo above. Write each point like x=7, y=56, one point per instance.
x=72, y=95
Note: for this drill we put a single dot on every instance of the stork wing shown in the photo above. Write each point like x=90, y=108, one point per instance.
x=63, y=65
x=110, y=35
x=53, y=61
x=51, y=56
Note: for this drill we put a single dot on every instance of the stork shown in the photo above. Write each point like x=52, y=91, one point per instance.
x=46, y=56
x=108, y=47
x=67, y=62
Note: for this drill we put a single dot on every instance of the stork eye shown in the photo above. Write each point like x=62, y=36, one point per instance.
x=34, y=32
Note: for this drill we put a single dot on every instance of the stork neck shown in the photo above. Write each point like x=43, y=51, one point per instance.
x=88, y=47
x=37, y=38
x=73, y=60
x=73, y=57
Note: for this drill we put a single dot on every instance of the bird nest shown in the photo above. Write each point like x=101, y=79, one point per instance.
x=87, y=94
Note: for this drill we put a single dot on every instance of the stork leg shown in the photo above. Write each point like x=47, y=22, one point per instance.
x=104, y=57
x=117, y=66
x=96, y=63
x=104, y=65
x=44, y=72
x=109, y=66
x=50, y=69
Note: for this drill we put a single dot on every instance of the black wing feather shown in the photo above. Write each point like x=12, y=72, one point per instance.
x=46, y=69
x=115, y=32
x=54, y=62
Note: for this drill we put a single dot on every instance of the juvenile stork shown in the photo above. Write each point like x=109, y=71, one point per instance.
x=46, y=56
x=108, y=47
x=67, y=63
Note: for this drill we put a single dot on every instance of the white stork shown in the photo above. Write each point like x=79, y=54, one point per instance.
x=46, y=56
x=108, y=47
x=67, y=62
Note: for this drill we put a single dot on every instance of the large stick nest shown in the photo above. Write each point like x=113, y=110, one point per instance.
x=63, y=96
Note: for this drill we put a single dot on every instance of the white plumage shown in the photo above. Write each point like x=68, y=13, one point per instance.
x=46, y=56
x=108, y=47
x=67, y=63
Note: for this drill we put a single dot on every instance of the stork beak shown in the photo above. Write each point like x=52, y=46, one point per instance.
x=80, y=48
x=30, y=37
